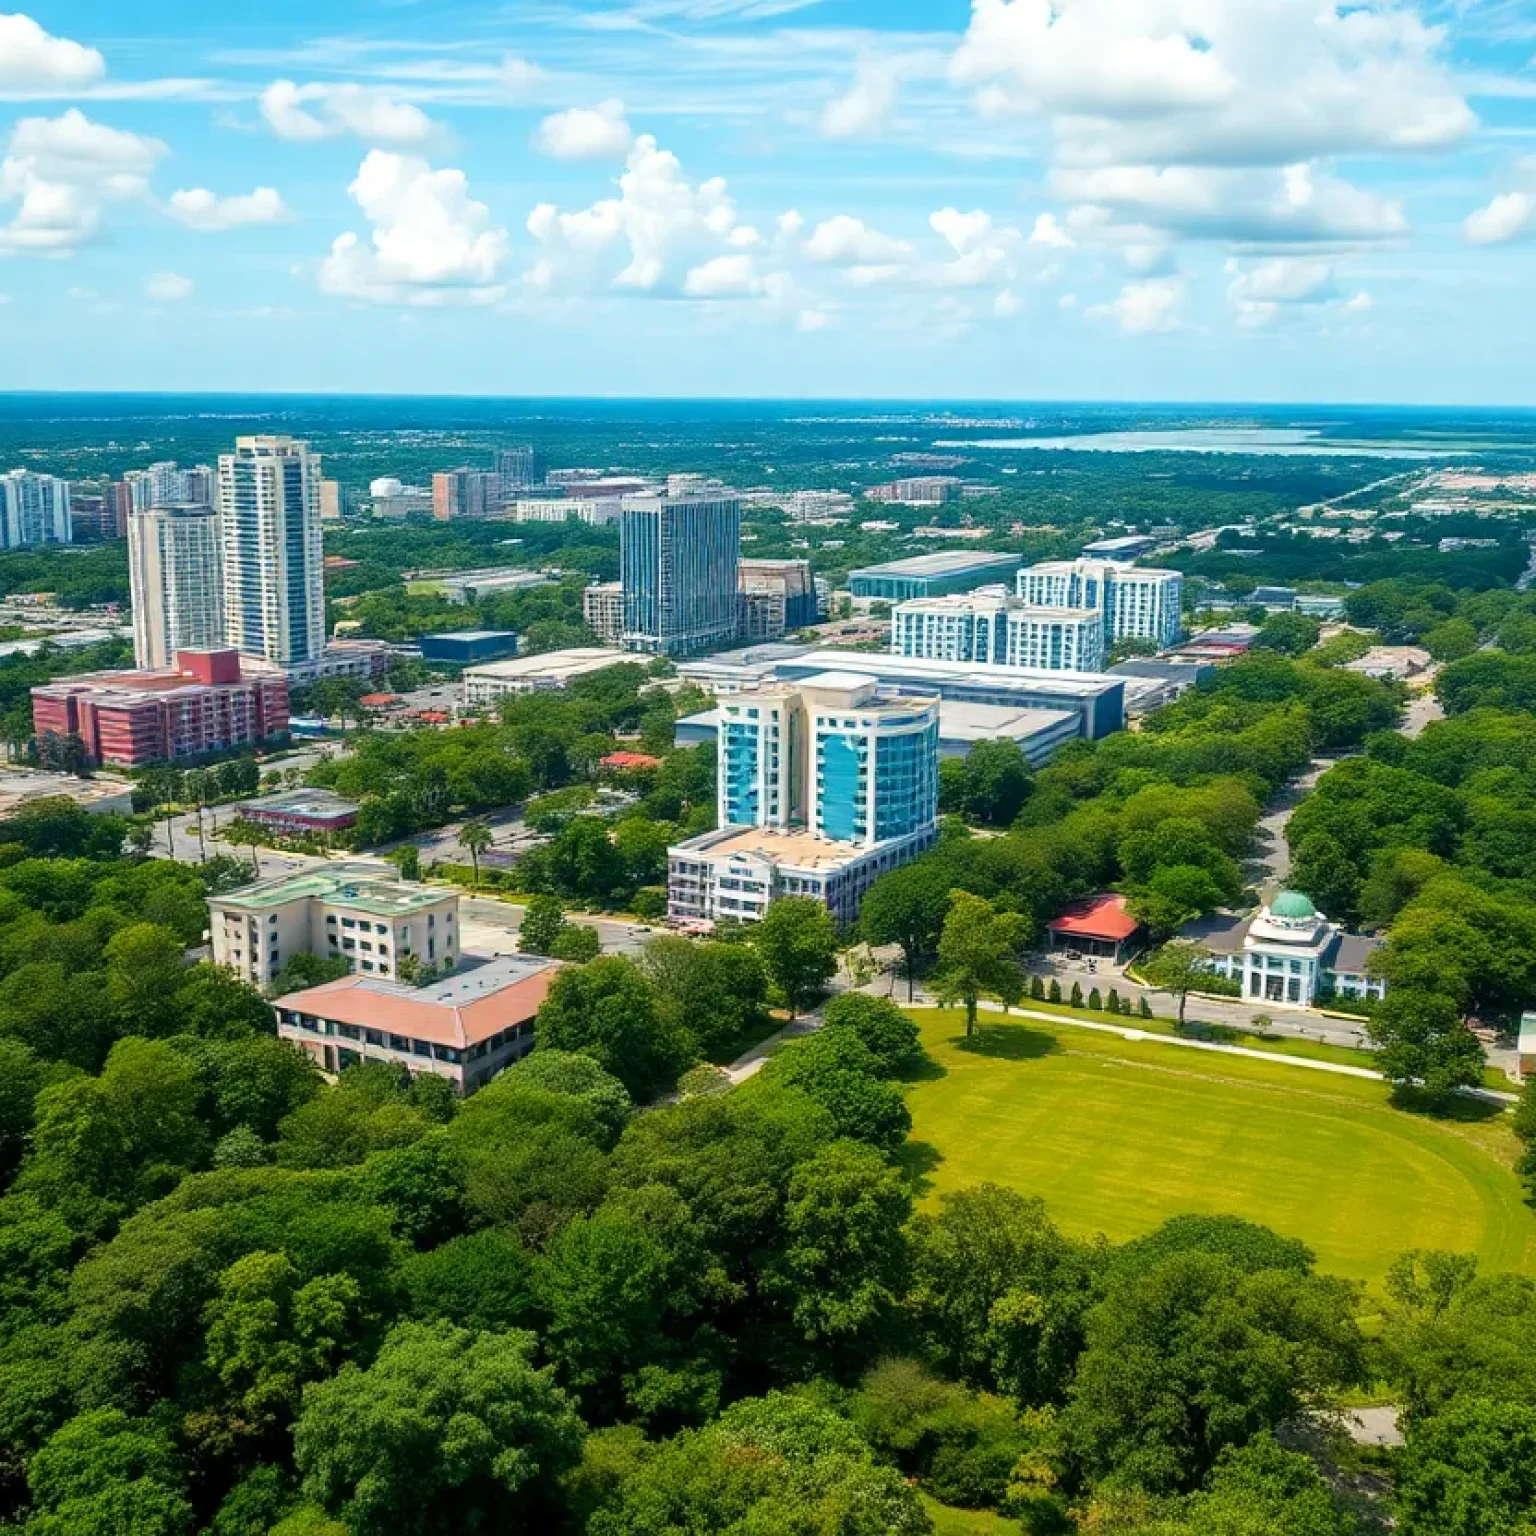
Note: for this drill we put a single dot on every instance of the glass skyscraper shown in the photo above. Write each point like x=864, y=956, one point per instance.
x=678, y=560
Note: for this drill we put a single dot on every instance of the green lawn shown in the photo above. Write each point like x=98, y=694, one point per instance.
x=1116, y=1135
x=949, y=1521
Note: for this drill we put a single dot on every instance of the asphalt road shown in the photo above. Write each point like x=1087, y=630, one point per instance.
x=489, y=926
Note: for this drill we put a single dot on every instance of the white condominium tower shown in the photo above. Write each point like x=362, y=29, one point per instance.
x=178, y=592
x=35, y=509
x=1137, y=602
x=991, y=627
x=269, y=525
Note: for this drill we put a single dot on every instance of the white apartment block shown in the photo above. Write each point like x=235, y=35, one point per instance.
x=178, y=592
x=602, y=609
x=991, y=627
x=354, y=913
x=1136, y=602
x=269, y=518
x=594, y=511
x=34, y=509
x=813, y=506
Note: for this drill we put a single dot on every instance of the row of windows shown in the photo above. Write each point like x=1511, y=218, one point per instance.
x=406, y=1044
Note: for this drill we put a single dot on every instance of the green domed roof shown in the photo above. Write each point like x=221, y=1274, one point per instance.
x=1292, y=904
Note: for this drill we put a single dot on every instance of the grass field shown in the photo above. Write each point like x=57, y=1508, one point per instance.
x=1117, y=1135
x=949, y=1521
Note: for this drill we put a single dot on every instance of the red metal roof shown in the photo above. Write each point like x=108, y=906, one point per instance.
x=630, y=760
x=1100, y=917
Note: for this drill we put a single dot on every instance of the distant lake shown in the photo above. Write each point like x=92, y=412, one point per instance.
x=1278, y=442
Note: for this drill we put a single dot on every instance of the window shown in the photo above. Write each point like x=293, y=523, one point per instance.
x=347, y=922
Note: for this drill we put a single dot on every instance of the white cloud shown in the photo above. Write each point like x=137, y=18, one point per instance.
x=1006, y=305
x=723, y=277
x=520, y=79
x=34, y=62
x=1292, y=205
x=304, y=113
x=587, y=133
x=864, y=110
x=1215, y=81
x=846, y=241
x=811, y=320
x=200, y=209
x=1049, y=233
x=168, y=287
x=432, y=243
x=1145, y=308
x=790, y=224
x=63, y=170
x=1506, y=218
x=667, y=227
x=1259, y=291
x=1361, y=304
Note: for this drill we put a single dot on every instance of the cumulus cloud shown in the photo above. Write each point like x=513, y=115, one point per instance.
x=1006, y=305
x=1143, y=309
x=1506, y=218
x=1207, y=82
x=304, y=113
x=432, y=243
x=520, y=79
x=63, y=171
x=723, y=277
x=659, y=230
x=846, y=241
x=35, y=63
x=168, y=287
x=1295, y=204
x=586, y=133
x=1259, y=291
x=200, y=209
x=1049, y=234
x=866, y=107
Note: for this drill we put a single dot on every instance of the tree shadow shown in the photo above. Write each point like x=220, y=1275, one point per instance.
x=1456, y=1108
x=927, y=1070
x=1009, y=1042
x=917, y=1161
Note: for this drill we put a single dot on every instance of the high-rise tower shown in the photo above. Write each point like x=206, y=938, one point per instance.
x=174, y=568
x=677, y=560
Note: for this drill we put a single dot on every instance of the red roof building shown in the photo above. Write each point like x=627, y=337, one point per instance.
x=201, y=706
x=468, y=1027
x=1099, y=926
x=624, y=762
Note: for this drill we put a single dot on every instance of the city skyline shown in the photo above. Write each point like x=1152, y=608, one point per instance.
x=779, y=198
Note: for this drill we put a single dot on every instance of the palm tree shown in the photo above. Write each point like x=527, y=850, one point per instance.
x=197, y=787
x=476, y=837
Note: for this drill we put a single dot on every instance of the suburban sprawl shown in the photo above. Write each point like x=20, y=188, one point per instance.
x=830, y=972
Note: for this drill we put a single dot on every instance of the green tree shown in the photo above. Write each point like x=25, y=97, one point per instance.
x=717, y=992
x=1451, y=640
x=543, y=923
x=998, y=780
x=979, y=952
x=798, y=942
x=1468, y=1470
x=607, y=1010
x=146, y=967
x=407, y=859
x=890, y=1035
x=475, y=837
x=447, y=1431
x=1178, y=969
x=906, y=907
x=844, y=1262
x=481, y=1280
x=841, y=1074
x=1259, y=1489
x=1420, y=1039
x=1292, y=634
x=104, y=1471
x=577, y=943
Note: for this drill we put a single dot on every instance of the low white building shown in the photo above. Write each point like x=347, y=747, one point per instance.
x=358, y=913
x=1287, y=954
x=990, y=626
x=535, y=674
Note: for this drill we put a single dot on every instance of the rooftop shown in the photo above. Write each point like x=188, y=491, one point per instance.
x=796, y=850
x=943, y=562
x=1099, y=917
x=883, y=665
x=470, y=1005
x=302, y=802
x=554, y=664
x=959, y=721
x=473, y=634
x=365, y=887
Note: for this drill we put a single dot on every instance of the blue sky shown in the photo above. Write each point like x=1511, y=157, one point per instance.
x=1082, y=199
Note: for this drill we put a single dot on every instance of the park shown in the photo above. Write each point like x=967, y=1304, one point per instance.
x=1116, y=1135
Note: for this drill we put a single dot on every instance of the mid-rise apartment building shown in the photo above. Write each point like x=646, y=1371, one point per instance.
x=602, y=608
x=269, y=521
x=918, y=491
x=1136, y=602
x=817, y=506
x=989, y=626
x=200, y=706
x=464, y=493
x=34, y=509
x=177, y=583
x=823, y=786
x=356, y=913
x=678, y=558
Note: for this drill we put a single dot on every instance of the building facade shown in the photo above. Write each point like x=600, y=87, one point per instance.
x=467, y=1027
x=354, y=913
x=269, y=521
x=1002, y=631
x=1288, y=955
x=464, y=493
x=34, y=509
x=918, y=491
x=547, y=673
x=174, y=572
x=822, y=787
x=602, y=608
x=200, y=707
x=1136, y=603
x=678, y=559
x=790, y=581
x=935, y=575
x=518, y=469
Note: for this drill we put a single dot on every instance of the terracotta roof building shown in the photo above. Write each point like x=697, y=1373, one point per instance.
x=625, y=761
x=1100, y=926
x=467, y=1027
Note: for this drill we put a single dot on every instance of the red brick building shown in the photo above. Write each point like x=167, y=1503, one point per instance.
x=201, y=706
